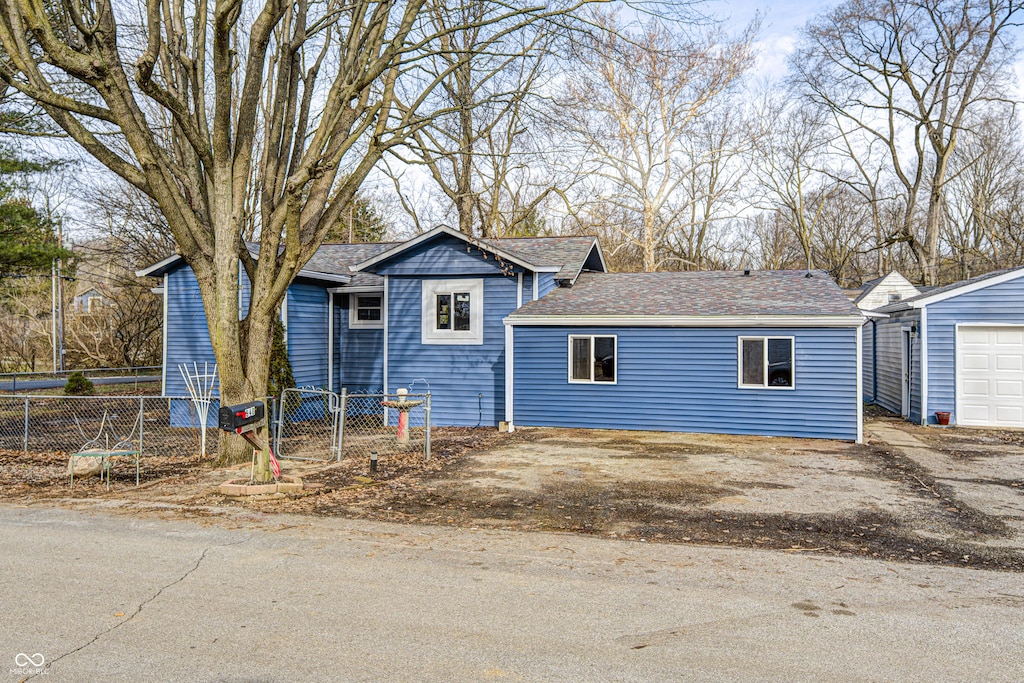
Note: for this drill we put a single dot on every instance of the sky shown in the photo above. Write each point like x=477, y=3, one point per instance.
x=780, y=29
x=780, y=25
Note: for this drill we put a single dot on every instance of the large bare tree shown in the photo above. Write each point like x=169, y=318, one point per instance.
x=790, y=146
x=632, y=97
x=238, y=118
x=478, y=153
x=909, y=75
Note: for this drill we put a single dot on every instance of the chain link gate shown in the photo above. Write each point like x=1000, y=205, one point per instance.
x=372, y=423
x=316, y=424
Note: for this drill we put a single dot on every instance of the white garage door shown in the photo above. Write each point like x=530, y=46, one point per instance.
x=990, y=376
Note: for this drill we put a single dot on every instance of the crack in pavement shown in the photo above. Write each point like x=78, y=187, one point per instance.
x=138, y=609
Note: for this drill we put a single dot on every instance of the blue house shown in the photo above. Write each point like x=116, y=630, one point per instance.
x=533, y=331
x=957, y=349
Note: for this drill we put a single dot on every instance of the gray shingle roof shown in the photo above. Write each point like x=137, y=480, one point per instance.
x=567, y=253
x=701, y=293
x=927, y=292
x=338, y=258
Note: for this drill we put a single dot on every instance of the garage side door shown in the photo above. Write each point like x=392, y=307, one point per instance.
x=990, y=376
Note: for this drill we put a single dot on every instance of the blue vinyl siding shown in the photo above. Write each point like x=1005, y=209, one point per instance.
x=867, y=353
x=1002, y=303
x=527, y=287
x=682, y=379
x=458, y=374
x=359, y=363
x=444, y=257
x=188, y=338
x=244, y=293
x=889, y=363
x=545, y=284
x=307, y=334
x=188, y=342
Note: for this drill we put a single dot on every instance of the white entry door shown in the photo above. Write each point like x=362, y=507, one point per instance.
x=990, y=376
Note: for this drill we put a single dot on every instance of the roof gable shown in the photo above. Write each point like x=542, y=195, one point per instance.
x=439, y=232
x=875, y=293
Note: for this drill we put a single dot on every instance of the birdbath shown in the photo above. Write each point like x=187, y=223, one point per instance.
x=403, y=405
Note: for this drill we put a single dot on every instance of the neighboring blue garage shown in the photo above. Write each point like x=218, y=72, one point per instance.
x=958, y=349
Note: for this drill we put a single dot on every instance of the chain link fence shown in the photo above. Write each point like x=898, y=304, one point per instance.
x=315, y=424
x=306, y=424
x=157, y=425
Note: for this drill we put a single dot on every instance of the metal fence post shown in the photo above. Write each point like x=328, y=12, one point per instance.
x=426, y=437
x=273, y=430
x=25, y=435
x=343, y=411
x=141, y=414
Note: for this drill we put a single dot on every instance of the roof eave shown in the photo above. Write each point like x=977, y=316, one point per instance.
x=324, y=277
x=158, y=269
x=688, y=320
x=966, y=288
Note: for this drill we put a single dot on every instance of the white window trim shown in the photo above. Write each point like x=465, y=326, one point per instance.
x=354, y=323
x=764, y=361
x=591, y=337
x=429, y=334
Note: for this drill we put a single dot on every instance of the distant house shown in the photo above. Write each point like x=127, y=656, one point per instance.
x=956, y=349
x=533, y=331
x=885, y=290
x=87, y=301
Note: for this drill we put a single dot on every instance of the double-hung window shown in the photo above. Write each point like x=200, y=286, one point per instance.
x=453, y=311
x=766, y=362
x=364, y=311
x=592, y=358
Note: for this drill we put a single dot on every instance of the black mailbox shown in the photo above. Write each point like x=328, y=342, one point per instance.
x=233, y=418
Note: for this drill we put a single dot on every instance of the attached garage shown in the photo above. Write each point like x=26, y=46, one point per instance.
x=990, y=373
x=957, y=349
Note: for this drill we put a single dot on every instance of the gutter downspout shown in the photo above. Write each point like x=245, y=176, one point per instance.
x=923, y=329
x=384, y=305
x=330, y=341
x=509, y=376
x=860, y=385
x=163, y=370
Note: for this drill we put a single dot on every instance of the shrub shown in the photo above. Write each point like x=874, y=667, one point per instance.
x=78, y=385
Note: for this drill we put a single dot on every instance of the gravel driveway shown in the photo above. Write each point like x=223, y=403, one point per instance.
x=913, y=494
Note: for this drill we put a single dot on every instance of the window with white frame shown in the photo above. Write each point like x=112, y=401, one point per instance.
x=364, y=310
x=592, y=358
x=453, y=311
x=766, y=362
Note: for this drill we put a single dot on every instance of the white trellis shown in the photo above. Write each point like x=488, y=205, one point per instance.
x=200, y=385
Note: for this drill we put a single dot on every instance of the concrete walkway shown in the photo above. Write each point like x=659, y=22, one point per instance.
x=989, y=482
x=92, y=596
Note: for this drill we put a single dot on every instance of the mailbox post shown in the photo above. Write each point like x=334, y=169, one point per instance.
x=249, y=420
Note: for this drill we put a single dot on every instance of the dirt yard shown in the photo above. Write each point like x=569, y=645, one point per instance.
x=911, y=494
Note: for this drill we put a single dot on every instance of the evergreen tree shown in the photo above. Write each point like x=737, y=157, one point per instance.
x=360, y=222
x=28, y=239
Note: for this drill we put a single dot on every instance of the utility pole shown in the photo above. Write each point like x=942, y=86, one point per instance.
x=53, y=313
x=60, y=297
